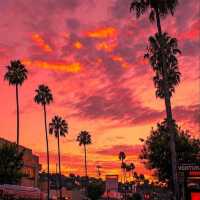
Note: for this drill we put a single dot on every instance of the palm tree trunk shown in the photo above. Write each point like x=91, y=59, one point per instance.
x=60, y=182
x=169, y=115
x=17, y=102
x=47, y=146
x=85, y=161
x=122, y=172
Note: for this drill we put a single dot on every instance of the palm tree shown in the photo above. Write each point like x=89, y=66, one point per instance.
x=122, y=157
x=124, y=170
x=159, y=9
x=84, y=138
x=132, y=167
x=58, y=127
x=98, y=170
x=44, y=97
x=170, y=52
x=16, y=75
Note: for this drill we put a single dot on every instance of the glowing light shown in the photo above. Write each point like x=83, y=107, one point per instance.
x=41, y=43
x=102, y=33
x=74, y=67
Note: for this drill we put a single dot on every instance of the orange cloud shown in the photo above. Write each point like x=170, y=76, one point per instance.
x=74, y=67
x=102, y=33
x=41, y=43
x=106, y=46
x=78, y=45
x=119, y=59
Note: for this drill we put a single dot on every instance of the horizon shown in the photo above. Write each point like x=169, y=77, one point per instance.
x=91, y=57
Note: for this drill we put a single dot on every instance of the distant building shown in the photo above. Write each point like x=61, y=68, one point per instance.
x=112, y=187
x=31, y=166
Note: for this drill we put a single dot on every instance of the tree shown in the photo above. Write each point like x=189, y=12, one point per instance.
x=44, y=97
x=95, y=190
x=98, y=171
x=132, y=167
x=58, y=127
x=156, y=153
x=155, y=58
x=122, y=157
x=159, y=9
x=84, y=138
x=11, y=164
x=16, y=75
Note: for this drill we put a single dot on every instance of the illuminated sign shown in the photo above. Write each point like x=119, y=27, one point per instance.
x=189, y=167
x=194, y=173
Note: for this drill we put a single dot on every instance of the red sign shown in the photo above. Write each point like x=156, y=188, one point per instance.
x=195, y=195
x=194, y=174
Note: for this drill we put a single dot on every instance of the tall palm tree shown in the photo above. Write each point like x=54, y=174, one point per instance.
x=16, y=75
x=159, y=9
x=122, y=157
x=59, y=128
x=170, y=52
x=84, y=138
x=44, y=97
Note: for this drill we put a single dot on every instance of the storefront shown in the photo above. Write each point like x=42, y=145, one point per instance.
x=189, y=180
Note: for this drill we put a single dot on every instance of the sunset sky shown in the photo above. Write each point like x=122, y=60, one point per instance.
x=90, y=54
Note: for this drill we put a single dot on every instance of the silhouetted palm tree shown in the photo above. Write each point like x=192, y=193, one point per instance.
x=122, y=157
x=159, y=9
x=132, y=167
x=170, y=52
x=44, y=97
x=16, y=74
x=124, y=170
x=84, y=138
x=58, y=127
x=98, y=170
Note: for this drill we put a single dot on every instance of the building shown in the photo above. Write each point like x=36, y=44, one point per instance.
x=31, y=166
x=111, y=191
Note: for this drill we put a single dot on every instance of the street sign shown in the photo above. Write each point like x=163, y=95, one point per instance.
x=189, y=167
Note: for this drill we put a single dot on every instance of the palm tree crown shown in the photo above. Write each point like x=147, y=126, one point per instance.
x=16, y=73
x=122, y=156
x=170, y=51
x=84, y=138
x=58, y=126
x=163, y=7
x=43, y=95
x=132, y=166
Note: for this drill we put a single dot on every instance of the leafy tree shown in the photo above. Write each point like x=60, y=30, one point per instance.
x=84, y=138
x=156, y=151
x=16, y=75
x=11, y=164
x=159, y=9
x=58, y=127
x=95, y=190
x=44, y=97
